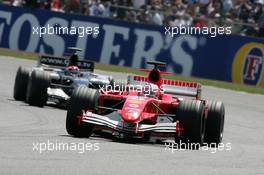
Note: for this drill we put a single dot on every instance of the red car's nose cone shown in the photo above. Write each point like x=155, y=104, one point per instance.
x=133, y=108
x=130, y=115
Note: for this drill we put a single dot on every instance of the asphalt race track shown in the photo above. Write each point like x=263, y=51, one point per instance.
x=22, y=126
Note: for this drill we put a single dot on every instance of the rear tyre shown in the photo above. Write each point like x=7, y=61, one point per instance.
x=37, y=88
x=21, y=83
x=82, y=98
x=215, y=123
x=191, y=117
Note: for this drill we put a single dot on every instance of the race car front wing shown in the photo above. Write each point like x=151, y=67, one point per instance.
x=118, y=125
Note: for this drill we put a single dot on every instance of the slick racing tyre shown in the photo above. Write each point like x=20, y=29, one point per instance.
x=21, y=83
x=190, y=114
x=82, y=98
x=215, y=123
x=37, y=88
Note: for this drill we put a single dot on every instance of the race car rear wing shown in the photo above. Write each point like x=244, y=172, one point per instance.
x=59, y=62
x=173, y=87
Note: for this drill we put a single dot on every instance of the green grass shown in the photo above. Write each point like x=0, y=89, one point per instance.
x=112, y=68
x=18, y=54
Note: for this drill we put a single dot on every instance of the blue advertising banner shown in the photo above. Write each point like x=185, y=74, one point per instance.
x=226, y=57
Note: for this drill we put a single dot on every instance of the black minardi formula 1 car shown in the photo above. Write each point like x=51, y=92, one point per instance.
x=54, y=78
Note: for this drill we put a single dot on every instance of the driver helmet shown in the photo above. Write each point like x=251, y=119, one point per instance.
x=73, y=69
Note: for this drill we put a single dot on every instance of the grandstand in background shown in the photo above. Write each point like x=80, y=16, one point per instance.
x=245, y=16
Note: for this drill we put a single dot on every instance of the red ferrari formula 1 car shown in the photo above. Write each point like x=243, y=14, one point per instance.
x=147, y=107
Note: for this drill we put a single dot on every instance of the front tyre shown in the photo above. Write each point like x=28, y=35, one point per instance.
x=37, y=88
x=82, y=98
x=21, y=83
x=215, y=123
x=191, y=117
